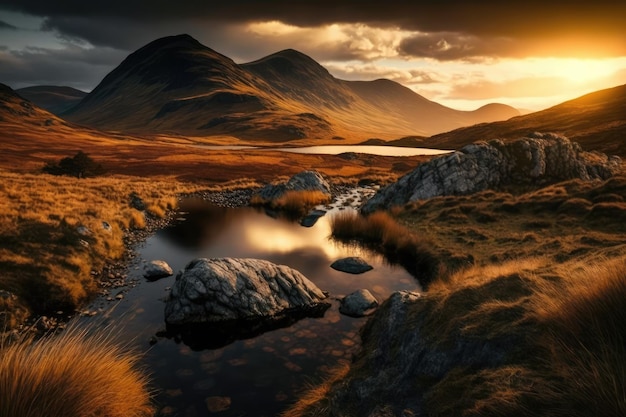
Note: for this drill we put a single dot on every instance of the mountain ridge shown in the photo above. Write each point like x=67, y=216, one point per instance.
x=596, y=120
x=177, y=85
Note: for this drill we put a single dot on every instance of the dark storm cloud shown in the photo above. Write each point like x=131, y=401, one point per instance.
x=447, y=46
x=5, y=25
x=507, y=19
x=84, y=67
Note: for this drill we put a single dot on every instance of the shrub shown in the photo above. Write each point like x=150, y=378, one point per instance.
x=74, y=374
x=80, y=165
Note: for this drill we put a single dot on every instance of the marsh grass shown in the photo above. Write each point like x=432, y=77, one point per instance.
x=77, y=373
x=380, y=231
x=53, y=234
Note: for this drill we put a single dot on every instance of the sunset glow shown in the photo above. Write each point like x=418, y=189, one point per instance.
x=460, y=55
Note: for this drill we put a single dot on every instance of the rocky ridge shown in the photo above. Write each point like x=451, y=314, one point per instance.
x=539, y=159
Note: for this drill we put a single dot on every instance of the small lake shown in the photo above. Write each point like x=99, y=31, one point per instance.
x=263, y=375
x=338, y=149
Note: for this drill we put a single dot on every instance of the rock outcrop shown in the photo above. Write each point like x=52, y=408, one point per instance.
x=229, y=289
x=303, y=181
x=358, y=304
x=351, y=265
x=539, y=159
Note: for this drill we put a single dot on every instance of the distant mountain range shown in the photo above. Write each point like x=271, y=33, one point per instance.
x=175, y=85
x=597, y=121
x=52, y=98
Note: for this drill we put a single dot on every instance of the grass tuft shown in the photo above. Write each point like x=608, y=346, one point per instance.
x=74, y=374
x=381, y=232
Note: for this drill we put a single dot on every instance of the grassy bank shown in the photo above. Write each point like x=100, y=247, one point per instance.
x=74, y=374
x=56, y=233
x=532, y=327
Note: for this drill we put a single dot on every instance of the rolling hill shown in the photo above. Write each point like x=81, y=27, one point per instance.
x=175, y=85
x=597, y=121
x=52, y=98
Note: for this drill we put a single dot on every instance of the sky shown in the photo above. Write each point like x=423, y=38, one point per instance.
x=462, y=54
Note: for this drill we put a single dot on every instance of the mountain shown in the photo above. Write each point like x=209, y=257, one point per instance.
x=597, y=121
x=52, y=98
x=176, y=85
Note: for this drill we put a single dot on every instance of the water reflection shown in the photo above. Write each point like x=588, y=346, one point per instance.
x=261, y=375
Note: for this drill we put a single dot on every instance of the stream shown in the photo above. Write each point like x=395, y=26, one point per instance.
x=263, y=375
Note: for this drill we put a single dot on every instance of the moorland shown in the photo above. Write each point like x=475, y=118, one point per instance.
x=524, y=307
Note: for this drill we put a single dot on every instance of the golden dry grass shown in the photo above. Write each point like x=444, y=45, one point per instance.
x=74, y=374
x=46, y=256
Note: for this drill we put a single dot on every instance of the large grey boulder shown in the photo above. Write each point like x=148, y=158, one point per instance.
x=539, y=159
x=227, y=290
x=303, y=181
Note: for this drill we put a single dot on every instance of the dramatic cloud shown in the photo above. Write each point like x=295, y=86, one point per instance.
x=450, y=46
x=372, y=71
x=447, y=50
x=600, y=21
x=74, y=66
x=5, y=26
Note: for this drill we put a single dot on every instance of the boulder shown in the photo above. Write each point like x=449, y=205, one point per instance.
x=224, y=290
x=157, y=269
x=351, y=265
x=303, y=181
x=539, y=159
x=358, y=304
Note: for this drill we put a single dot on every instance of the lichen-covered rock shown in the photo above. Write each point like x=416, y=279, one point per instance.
x=225, y=290
x=303, y=181
x=358, y=304
x=351, y=265
x=539, y=159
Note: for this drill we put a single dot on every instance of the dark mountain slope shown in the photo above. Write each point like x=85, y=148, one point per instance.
x=52, y=98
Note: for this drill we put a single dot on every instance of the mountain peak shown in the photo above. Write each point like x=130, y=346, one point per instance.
x=289, y=62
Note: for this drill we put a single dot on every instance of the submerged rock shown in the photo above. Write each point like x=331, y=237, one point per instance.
x=539, y=159
x=157, y=269
x=352, y=265
x=358, y=304
x=229, y=289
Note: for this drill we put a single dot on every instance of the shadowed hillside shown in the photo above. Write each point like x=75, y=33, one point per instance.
x=52, y=98
x=176, y=85
x=597, y=121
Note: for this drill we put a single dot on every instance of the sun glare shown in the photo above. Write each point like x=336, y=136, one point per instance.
x=576, y=70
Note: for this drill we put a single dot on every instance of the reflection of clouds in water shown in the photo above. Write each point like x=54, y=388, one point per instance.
x=279, y=236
